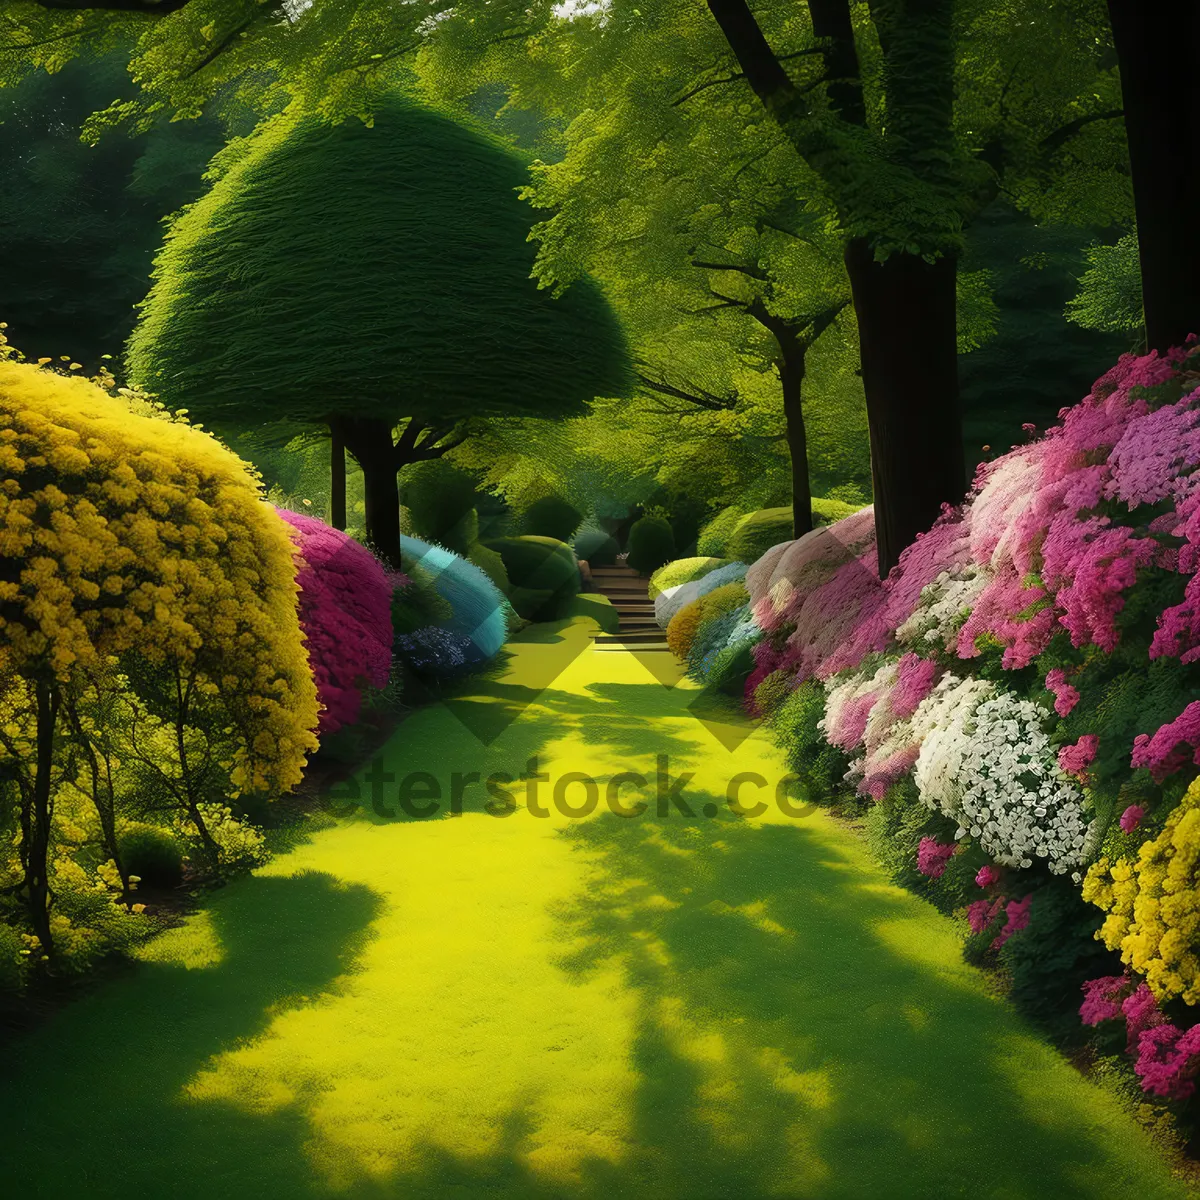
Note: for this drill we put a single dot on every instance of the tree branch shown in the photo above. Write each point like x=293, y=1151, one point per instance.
x=698, y=397
x=741, y=268
x=1059, y=138
x=700, y=87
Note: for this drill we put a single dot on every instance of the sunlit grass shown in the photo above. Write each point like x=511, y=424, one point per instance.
x=537, y=1007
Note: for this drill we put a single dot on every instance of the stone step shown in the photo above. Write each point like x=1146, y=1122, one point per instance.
x=650, y=640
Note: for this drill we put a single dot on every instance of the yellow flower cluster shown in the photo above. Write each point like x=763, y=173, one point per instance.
x=122, y=529
x=1153, y=904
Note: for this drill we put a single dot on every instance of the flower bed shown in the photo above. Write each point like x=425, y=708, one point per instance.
x=1017, y=707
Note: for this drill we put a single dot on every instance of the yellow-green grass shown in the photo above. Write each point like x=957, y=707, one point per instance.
x=527, y=1007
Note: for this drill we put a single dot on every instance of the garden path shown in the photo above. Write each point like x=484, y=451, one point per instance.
x=522, y=1006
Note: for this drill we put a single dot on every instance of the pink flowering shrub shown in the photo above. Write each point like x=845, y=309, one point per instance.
x=1025, y=682
x=932, y=857
x=345, y=613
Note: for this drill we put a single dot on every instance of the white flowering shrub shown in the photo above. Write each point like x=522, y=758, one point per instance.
x=943, y=608
x=987, y=763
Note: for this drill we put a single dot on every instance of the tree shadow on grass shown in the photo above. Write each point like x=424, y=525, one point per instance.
x=808, y=1032
x=93, y=1101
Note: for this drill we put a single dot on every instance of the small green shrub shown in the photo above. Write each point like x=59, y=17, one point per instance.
x=441, y=504
x=552, y=517
x=651, y=545
x=714, y=536
x=543, y=572
x=1051, y=958
x=153, y=854
x=491, y=564
x=596, y=547
x=683, y=570
x=819, y=765
x=757, y=532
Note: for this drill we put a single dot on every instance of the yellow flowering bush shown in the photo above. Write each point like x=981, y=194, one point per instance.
x=1153, y=904
x=683, y=627
x=150, y=645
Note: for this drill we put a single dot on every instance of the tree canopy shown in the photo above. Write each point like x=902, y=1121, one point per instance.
x=369, y=270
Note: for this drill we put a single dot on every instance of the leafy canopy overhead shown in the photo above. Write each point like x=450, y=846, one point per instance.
x=338, y=269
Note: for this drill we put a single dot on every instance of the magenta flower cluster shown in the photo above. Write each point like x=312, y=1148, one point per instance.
x=932, y=856
x=1168, y=1058
x=345, y=613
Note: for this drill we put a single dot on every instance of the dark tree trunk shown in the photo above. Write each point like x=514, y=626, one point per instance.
x=369, y=439
x=337, y=475
x=791, y=383
x=36, y=831
x=906, y=309
x=1156, y=49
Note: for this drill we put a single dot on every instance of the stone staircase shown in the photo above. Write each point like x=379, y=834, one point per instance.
x=627, y=592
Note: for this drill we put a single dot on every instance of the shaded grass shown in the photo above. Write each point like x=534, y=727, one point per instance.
x=535, y=1007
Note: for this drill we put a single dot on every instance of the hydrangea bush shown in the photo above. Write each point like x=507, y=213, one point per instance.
x=1028, y=677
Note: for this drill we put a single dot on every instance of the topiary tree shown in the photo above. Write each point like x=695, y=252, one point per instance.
x=375, y=281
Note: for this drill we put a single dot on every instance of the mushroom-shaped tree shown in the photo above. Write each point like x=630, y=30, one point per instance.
x=375, y=280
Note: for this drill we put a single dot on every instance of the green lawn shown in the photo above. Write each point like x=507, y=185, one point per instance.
x=540, y=1007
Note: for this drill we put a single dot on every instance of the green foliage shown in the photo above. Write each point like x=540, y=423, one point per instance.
x=440, y=500
x=757, y=532
x=491, y=564
x=153, y=853
x=651, y=544
x=597, y=547
x=544, y=574
x=1110, y=290
x=13, y=955
x=714, y=537
x=793, y=721
x=552, y=517
x=1052, y=957
x=419, y=604
x=312, y=279
x=683, y=570
x=79, y=225
x=1038, y=360
x=828, y=511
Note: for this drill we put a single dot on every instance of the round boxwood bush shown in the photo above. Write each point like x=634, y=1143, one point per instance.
x=543, y=571
x=651, y=545
x=153, y=854
x=551, y=517
x=596, y=547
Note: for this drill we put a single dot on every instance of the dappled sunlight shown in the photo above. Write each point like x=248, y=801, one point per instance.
x=194, y=944
x=536, y=1007
x=454, y=1017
